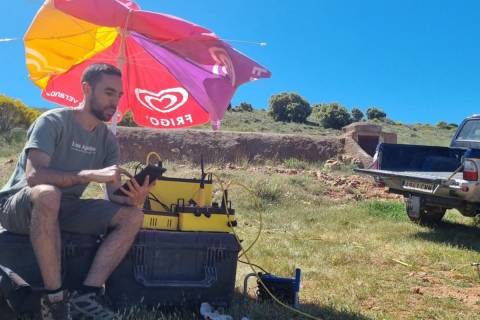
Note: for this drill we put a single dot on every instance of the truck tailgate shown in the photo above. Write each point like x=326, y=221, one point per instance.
x=424, y=176
x=421, y=182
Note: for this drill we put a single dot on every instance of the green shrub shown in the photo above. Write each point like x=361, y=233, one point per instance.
x=332, y=115
x=357, y=114
x=452, y=126
x=243, y=107
x=268, y=191
x=375, y=113
x=13, y=113
x=294, y=163
x=289, y=107
x=127, y=120
x=442, y=125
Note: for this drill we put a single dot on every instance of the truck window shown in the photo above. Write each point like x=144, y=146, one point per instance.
x=470, y=131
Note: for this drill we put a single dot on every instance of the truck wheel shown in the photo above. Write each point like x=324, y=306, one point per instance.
x=428, y=215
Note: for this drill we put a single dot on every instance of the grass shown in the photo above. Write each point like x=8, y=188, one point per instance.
x=11, y=142
x=294, y=163
x=349, y=251
x=385, y=209
x=421, y=134
x=359, y=260
x=260, y=121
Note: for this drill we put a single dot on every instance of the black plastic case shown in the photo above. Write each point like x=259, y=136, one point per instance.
x=166, y=268
x=16, y=253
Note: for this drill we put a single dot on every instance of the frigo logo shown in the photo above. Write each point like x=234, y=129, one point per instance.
x=164, y=101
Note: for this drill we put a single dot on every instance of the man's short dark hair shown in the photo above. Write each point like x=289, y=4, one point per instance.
x=94, y=72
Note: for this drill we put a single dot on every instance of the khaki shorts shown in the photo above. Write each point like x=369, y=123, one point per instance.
x=86, y=216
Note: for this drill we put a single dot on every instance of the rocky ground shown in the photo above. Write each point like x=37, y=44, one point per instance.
x=341, y=186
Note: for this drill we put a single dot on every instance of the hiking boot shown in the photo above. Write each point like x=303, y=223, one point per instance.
x=91, y=306
x=55, y=307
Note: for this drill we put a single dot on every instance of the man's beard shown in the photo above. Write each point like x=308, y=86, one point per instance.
x=98, y=111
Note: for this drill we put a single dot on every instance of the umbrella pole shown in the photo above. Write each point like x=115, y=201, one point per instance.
x=113, y=125
x=120, y=64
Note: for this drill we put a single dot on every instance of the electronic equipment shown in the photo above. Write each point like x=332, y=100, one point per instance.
x=154, y=172
x=284, y=289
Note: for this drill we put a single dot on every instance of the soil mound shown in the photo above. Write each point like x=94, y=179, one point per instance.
x=224, y=146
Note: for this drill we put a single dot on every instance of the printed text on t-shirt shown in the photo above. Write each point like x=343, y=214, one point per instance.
x=83, y=148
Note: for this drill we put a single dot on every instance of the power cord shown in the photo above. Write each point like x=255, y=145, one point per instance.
x=244, y=252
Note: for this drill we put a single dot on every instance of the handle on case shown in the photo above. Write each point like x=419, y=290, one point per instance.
x=209, y=278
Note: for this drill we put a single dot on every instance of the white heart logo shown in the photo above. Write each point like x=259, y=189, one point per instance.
x=176, y=96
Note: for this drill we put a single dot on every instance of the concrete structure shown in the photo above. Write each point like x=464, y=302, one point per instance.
x=361, y=140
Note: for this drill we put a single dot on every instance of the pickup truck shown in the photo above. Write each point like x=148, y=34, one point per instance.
x=433, y=179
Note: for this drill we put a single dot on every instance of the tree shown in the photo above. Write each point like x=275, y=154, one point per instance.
x=357, y=114
x=127, y=120
x=452, y=126
x=375, y=113
x=289, y=107
x=332, y=115
x=28, y=115
x=442, y=125
x=244, y=107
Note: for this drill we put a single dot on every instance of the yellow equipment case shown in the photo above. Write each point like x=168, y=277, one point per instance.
x=167, y=191
x=186, y=205
x=206, y=219
x=159, y=220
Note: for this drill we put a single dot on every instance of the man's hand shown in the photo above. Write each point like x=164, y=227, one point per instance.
x=138, y=193
x=110, y=174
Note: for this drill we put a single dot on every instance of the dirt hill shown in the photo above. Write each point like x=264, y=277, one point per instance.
x=225, y=146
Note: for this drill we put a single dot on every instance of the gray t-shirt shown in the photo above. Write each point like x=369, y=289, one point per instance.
x=70, y=147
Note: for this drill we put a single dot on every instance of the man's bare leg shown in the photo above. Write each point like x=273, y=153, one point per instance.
x=126, y=223
x=45, y=234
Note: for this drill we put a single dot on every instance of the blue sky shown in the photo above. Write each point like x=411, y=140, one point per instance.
x=417, y=60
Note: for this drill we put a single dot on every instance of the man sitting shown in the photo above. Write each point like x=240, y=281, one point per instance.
x=65, y=150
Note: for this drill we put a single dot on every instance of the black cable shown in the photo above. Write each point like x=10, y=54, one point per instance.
x=154, y=198
x=136, y=168
x=255, y=265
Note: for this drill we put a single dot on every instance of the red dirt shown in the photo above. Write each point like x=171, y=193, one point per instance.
x=436, y=288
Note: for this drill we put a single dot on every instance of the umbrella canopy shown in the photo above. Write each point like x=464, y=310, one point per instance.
x=176, y=74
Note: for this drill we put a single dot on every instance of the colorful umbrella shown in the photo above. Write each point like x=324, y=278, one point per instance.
x=176, y=74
